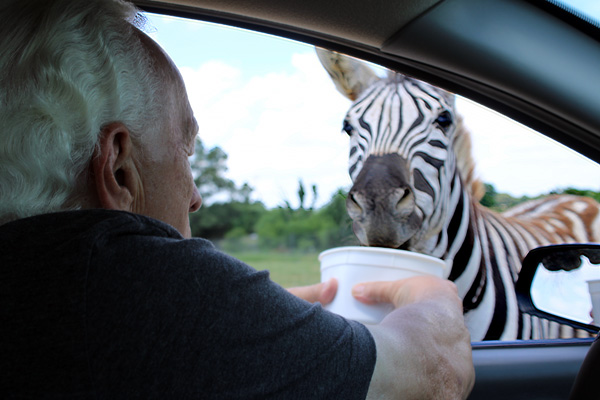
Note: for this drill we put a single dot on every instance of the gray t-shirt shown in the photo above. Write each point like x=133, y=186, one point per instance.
x=107, y=304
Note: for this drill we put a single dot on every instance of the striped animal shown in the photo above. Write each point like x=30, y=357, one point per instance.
x=414, y=188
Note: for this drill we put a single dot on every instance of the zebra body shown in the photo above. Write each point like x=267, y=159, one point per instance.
x=414, y=188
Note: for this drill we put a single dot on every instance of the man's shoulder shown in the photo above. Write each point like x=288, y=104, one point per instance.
x=111, y=220
x=81, y=222
x=85, y=233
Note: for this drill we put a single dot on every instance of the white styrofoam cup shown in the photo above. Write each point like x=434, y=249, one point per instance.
x=353, y=265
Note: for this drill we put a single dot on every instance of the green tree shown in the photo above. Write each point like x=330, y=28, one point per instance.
x=218, y=220
x=340, y=233
x=301, y=193
x=208, y=168
x=489, y=198
x=315, y=196
x=579, y=192
x=307, y=229
x=503, y=201
x=233, y=210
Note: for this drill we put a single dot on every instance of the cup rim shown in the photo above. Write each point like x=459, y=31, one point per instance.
x=383, y=251
x=379, y=250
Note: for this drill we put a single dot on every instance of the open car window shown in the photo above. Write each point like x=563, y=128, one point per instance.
x=276, y=118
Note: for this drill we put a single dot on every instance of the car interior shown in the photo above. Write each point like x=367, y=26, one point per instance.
x=533, y=61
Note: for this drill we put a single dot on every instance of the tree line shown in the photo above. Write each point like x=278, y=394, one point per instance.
x=230, y=218
x=503, y=201
x=233, y=221
x=250, y=225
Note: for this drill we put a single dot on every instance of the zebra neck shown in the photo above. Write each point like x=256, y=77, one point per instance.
x=462, y=247
x=489, y=312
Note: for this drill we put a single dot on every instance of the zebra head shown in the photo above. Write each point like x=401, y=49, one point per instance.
x=401, y=160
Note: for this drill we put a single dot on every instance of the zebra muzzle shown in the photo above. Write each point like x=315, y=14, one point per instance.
x=382, y=204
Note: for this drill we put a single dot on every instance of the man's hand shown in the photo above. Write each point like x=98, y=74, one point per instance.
x=423, y=346
x=323, y=292
x=407, y=291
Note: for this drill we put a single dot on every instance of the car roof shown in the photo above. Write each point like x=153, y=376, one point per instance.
x=532, y=61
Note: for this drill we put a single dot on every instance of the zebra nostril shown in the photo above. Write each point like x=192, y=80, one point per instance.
x=353, y=205
x=404, y=197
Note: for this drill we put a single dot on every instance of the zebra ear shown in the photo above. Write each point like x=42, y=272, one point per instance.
x=351, y=76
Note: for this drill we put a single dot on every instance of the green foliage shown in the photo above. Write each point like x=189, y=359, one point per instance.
x=301, y=193
x=306, y=229
x=231, y=223
x=505, y=201
x=315, y=196
x=219, y=219
x=502, y=201
x=489, y=198
x=233, y=217
x=208, y=168
x=287, y=228
x=342, y=233
x=579, y=192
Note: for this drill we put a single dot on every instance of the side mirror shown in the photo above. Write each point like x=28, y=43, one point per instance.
x=561, y=283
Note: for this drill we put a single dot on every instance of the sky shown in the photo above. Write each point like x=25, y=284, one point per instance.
x=270, y=105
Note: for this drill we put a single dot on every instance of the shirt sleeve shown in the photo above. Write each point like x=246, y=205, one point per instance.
x=176, y=318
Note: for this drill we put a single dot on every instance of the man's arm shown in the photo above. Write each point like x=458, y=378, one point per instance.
x=423, y=347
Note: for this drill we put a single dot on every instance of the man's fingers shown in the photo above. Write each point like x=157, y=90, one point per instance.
x=322, y=292
x=405, y=291
x=376, y=292
x=328, y=291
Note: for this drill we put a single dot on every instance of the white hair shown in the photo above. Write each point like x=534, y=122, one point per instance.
x=67, y=68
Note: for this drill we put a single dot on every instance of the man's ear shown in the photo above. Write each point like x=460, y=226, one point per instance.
x=113, y=169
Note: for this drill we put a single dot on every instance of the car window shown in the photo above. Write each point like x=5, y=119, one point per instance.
x=272, y=143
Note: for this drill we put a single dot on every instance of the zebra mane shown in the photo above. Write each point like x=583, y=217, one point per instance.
x=465, y=163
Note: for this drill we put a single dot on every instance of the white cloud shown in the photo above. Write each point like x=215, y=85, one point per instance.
x=276, y=128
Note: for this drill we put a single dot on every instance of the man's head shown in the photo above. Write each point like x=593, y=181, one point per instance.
x=87, y=98
x=153, y=178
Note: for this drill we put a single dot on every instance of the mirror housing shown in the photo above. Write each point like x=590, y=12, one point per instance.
x=561, y=270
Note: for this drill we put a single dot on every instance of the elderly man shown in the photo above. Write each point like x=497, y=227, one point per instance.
x=103, y=293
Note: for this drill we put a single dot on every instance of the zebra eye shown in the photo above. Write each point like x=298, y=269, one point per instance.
x=348, y=128
x=444, y=120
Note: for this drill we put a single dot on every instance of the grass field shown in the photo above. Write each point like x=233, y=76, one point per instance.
x=287, y=268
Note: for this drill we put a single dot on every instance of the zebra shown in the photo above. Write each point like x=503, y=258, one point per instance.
x=415, y=188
